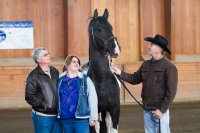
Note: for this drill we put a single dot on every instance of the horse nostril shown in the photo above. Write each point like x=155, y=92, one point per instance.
x=118, y=55
x=115, y=55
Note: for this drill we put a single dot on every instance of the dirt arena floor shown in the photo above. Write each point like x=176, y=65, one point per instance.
x=185, y=118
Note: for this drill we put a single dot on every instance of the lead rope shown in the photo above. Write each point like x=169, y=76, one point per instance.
x=159, y=129
x=118, y=77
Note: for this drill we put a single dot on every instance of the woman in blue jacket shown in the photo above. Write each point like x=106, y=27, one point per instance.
x=77, y=98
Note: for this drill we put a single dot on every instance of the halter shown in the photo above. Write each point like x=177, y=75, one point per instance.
x=103, y=40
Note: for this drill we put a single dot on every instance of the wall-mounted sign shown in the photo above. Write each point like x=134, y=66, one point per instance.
x=16, y=35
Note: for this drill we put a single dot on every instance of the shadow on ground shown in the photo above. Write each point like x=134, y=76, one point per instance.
x=185, y=118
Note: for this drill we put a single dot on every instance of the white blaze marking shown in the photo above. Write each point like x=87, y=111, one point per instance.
x=116, y=47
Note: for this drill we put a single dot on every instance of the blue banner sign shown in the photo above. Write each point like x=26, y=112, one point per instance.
x=16, y=35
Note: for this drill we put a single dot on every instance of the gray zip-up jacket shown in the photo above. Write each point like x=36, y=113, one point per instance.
x=83, y=110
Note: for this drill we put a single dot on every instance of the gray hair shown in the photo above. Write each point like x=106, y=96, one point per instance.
x=36, y=53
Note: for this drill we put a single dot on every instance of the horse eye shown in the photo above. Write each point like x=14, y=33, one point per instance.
x=99, y=28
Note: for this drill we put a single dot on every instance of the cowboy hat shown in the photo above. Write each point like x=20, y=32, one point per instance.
x=160, y=41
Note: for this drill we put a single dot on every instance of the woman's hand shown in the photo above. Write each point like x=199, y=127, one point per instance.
x=92, y=122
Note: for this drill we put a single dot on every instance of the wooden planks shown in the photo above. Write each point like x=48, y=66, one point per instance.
x=47, y=17
x=77, y=24
x=13, y=83
x=185, y=26
x=61, y=25
x=151, y=21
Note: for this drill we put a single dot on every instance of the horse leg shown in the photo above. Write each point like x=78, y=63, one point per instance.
x=92, y=129
x=103, y=128
x=115, y=119
x=108, y=122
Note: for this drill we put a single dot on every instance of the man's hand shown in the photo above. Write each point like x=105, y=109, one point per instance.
x=157, y=114
x=114, y=69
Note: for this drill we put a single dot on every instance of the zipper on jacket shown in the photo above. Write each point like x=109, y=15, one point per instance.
x=59, y=110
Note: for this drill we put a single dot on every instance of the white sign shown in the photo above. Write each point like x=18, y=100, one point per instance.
x=16, y=35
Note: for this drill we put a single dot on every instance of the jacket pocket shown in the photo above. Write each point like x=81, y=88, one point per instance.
x=83, y=110
x=145, y=74
x=159, y=77
x=83, y=107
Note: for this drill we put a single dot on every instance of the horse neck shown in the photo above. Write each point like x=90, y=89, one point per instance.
x=93, y=50
x=98, y=57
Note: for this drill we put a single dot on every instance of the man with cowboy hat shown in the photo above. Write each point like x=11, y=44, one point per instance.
x=159, y=80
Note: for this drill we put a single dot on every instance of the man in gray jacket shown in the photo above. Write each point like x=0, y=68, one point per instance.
x=159, y=80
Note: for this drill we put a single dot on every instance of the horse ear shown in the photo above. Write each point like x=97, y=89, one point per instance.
x=106, y=14
x=95, y=13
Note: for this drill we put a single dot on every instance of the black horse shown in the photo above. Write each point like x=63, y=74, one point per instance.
x=102, y=47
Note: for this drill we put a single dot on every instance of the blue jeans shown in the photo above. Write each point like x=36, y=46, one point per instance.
x=74, y=125
x=46, y=124
x=151, y=124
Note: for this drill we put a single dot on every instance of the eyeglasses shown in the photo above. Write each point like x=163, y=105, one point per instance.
x=74, y=61
x=46, y=54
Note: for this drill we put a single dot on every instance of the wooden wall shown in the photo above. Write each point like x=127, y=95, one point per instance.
x=152, y=20
x=14, y=77
x=185, y=26
x=12, y=89
x=61, y=25
x=79, y=13
x=48, y=19
x=133, y=20
x=123, y=16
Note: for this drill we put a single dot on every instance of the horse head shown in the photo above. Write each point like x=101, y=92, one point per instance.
x=101, y=36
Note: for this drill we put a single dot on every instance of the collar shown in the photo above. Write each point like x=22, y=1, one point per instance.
x=157, y=61
x=80, y=74
x=39, y=69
